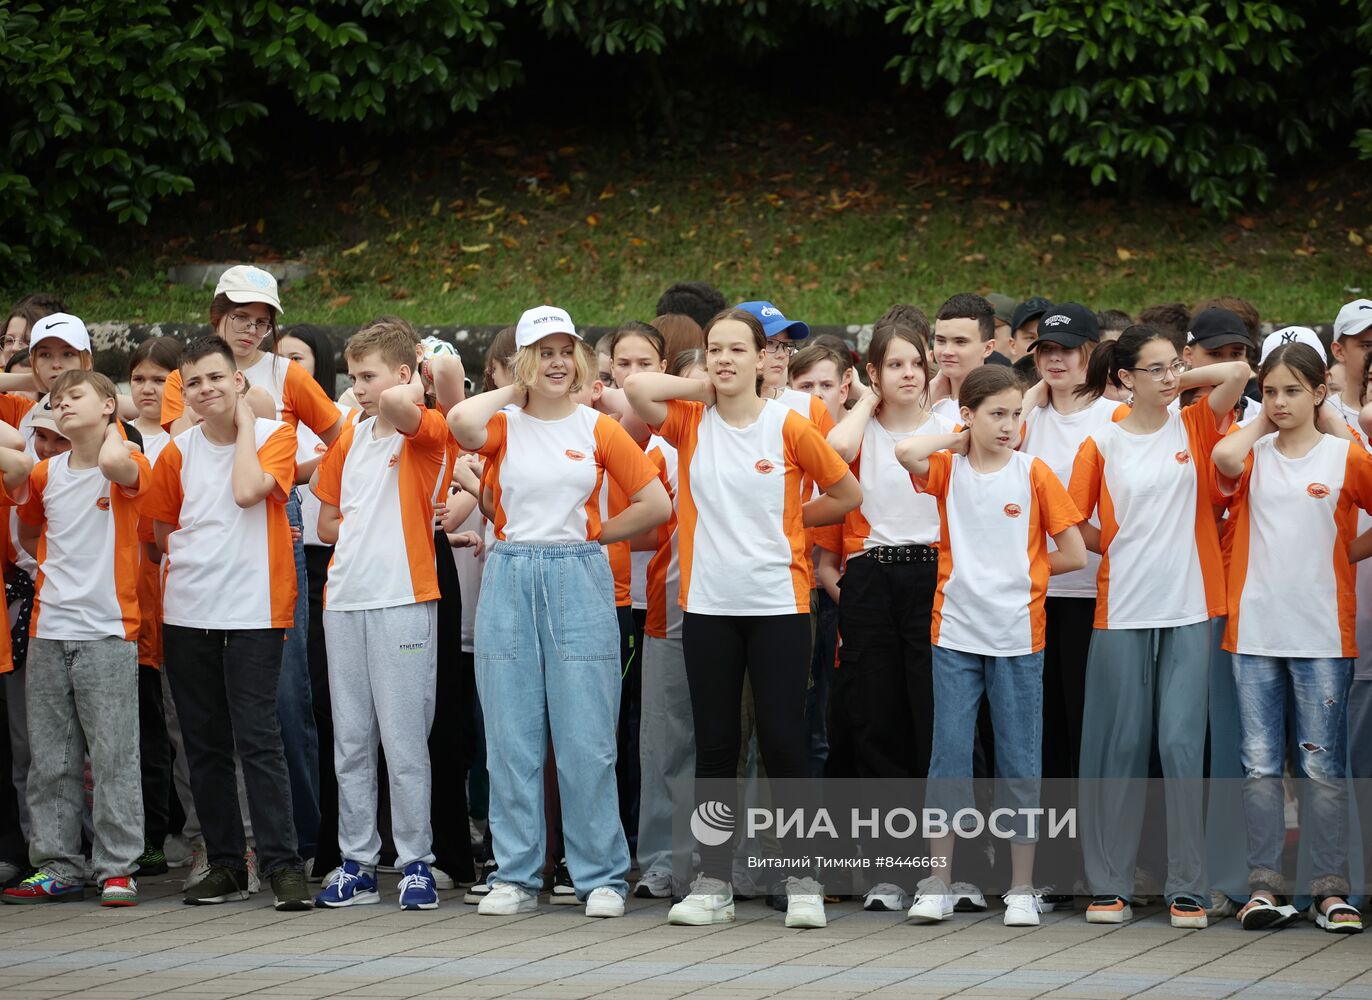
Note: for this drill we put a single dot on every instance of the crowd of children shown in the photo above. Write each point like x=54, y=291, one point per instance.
x=1025, y=540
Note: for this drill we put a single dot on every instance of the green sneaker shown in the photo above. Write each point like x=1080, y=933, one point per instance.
x=151, y=862
x=291, y=890
x=220, y=885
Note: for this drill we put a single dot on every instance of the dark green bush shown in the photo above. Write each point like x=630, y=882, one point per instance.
x=113, y=104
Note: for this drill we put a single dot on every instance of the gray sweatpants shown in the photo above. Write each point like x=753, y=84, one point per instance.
x=383, y=667
x=1136, y=678
x=666, y=751
x=84, y=693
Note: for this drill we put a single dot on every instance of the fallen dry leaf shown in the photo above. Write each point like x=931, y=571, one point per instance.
x=1124, y=254
x=353, y=251
x=1245, y=222
x=475, y=247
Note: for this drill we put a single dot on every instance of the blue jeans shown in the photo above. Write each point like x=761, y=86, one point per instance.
x=295, y=708
x=547, y=659
x=1014, y=687
x=1320, y=688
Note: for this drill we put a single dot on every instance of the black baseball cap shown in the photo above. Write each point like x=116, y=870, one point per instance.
x=1216, y=327
x=1029, y=309
x=1067, y=325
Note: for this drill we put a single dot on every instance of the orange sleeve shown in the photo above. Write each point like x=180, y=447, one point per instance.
x=620, y=456
x=431, y=434
x=162, y=502
x=31, y=510
x=305, y=401
x=1357, y=476
x=807, y=449
x=820, y=416
x=940, y=474
x=1058, y=511
x=682, y=415
x=829, y=537
x=13, y=407
x=1087, y=469
x=144, y=477
x=277, y=458
x=1203, y=426
x=328, y=487
x=496, y=429
x=173, y=402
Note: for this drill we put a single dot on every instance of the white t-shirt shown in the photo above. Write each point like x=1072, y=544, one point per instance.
x=948, y=409
x=227, y=567
x=1056, y=437
x=893, y=512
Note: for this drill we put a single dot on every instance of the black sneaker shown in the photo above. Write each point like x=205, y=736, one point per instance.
x=220, y=885
x=291, y=890
x=151, y=862
x=563, y=893
x=477, y=891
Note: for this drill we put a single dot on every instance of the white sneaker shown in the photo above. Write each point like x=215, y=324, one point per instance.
x=505, y=899
x=933, y=901
x=1022, y=907
x=804, y=903
x=654, y=885
x=967, y=898
x=178, y=850
x=1221, y=906
x=604, y=902
x=254, y=883
x=710, y=901
x=200, y=866
x=442, y=880
x=886, y=898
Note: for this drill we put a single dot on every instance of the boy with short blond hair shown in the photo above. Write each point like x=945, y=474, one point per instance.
x=80, y=520
x=377, y=486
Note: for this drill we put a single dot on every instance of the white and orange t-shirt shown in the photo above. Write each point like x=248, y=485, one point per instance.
x=1292, y=521
x=87, y=583
x=993, y=552
x=893, y=512
x=7, y=504
x=742, y=545
x=546, y=476
x=226, y=567
x=1056, y=438
x=308, y=448
x=1160, y=563
x=14, y=408
x=664, y=568
x=385, y=488
x=298, y=397
x=150, y=571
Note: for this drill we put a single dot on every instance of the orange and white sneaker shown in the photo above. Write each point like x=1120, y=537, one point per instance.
x=1188, y=912
x=1110, y=910
x=121, y=890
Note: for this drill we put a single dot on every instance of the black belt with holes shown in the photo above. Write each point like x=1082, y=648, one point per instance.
x=887, y=554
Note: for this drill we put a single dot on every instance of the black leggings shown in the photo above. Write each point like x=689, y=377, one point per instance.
x=774, y=651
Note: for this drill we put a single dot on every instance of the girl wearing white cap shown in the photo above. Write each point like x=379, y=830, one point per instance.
x=244, y=314
x=745, y=578
x=1296, y=493
x=547, y=651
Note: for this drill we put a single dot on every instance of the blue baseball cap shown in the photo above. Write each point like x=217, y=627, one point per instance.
x=773, y=322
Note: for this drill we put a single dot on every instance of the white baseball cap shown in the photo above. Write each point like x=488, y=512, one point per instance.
x=244, y=283
x=1292, y=335
x=41, y=415
x=61, y=326
x=540, y=322
x=1354, y=317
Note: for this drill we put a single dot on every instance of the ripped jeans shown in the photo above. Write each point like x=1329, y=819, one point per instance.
x=1320, y=697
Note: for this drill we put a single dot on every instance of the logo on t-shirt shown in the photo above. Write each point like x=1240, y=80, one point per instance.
x=574, y=455
x=1318, y=490
x=1013, y=510
x=1182, y=457
x=103, y=503
x=763, y=466
x=320, y=448
x=395, y=460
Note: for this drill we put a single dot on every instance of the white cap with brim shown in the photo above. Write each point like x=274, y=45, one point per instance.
x=540, y=322
x=41, y=415
x=1292, y=335
x=244, y=283
x=1354, y=317
x=61, y=326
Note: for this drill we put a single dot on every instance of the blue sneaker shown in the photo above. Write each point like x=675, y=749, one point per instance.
x=417, y=888
x=349, y=885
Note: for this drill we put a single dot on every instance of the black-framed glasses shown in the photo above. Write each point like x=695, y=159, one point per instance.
x=1158, y=372
x=243, y=323
x=776, y=347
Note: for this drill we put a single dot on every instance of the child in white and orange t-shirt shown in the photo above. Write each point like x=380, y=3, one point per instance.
x=1150, y=480
x=1296, y=496
x=228, y=597
x=997, y=509
x=377, y=487
x=80, y=521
